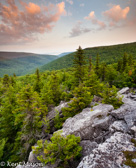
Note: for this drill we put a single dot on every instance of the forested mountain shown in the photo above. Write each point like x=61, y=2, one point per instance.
x=108, y=54
x=22, y=63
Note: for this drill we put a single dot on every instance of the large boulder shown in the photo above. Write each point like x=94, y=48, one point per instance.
x=110, y=153
x=126, y=112
x=86, y=123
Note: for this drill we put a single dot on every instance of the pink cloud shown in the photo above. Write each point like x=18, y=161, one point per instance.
x=116, y=13
x=19, y=26
x=91, y=16
x=33, y=8
x=94, y=20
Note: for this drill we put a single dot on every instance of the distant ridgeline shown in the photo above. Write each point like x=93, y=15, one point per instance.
x=22, y=63
x=107, y=54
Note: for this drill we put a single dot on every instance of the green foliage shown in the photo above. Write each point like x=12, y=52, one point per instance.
x=130, y=155
x=29, y=114
x=7, y=128
x=79, y=66
x=110, y=97
x=111, y=75
x=51, y=91
x=93, y=83
x=58, y=121
x=6, y=80
x=79, y=102
x=97, y=66
x=66, y=96
x=2, y=144
x=125, y=60
x=62, y=149
x=47, y=124
x=37, y=84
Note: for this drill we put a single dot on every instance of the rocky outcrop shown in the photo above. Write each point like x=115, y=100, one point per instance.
x=109, y=154
x=90, y=123
x=105, y=132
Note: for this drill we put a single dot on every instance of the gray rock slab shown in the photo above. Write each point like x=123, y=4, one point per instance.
x=109, y=154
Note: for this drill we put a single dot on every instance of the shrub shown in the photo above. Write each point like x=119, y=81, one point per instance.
x=62, y=149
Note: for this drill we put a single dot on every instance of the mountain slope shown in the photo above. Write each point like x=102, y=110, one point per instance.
x=63, y=54
x=108, y=54
x=22, y=63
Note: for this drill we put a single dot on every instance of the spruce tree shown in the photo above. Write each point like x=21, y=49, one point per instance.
x=103, y=71
x=79, y=65
x=7, y=128
x=97, y=66
x=119, y=65
x=130, y=60
x=37, y=84
x=6, y=80
x=90, y=64
x=125, y=60
x=29, y=115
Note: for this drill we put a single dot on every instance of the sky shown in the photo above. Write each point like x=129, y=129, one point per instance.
x=57, y=26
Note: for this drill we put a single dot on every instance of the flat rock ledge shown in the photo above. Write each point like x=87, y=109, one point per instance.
x=85, y=123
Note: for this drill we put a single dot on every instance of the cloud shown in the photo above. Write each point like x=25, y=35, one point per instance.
x=20, y=26
x=95, y=21
x=70, y=1
x=77, y=30
x=115, y=17
x=116, y=14
x=33, y=8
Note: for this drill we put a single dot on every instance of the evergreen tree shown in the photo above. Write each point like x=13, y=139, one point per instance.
x=103, y=71
x=82, y=97
x=37, y=84
x=7, y=128
x=97, y=66
x=6, y=80
x=125, y=60
x=29, y=114
x=119, y=65
x=90, y=64
x=130, y=60
x=79, y=65
x=93, y=84
x=51, y=91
